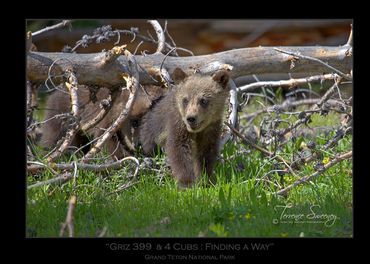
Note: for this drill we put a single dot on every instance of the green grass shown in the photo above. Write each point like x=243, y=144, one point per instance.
x=237, y=206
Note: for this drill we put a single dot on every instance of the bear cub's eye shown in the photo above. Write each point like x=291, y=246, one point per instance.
x=135, y=123
x=204, y=102
x=185, y=102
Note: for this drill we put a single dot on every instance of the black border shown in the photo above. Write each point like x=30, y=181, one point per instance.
x=307, y=247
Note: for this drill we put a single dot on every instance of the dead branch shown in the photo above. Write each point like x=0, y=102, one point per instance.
x=285, y=83
x=69, y=219
x=288, y=104
x=35, y=124
x=74, y=166
x=244, y=61
x=72, y=86
x=249, y=143
x=124, y=187
x=133, y=86
x=264, y=151
x=306, y=116
x=105, y=105
x=104, y=33
x=350, y=38
x=54, y=181
x=341, y=133
x=305, y=179
x=59, y=25
x=172, y=41
x=160, y=35
x=297, y=55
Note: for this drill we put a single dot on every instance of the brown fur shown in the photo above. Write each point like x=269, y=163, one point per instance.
x=187, y=123
x=127, y=137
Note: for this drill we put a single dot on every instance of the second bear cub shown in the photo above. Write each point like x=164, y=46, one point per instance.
x=187, y=122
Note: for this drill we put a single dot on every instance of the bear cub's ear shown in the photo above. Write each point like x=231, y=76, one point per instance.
x=178, y=75
x=222, y=77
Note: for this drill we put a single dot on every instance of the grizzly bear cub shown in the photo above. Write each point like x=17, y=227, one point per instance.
x=123, y=142
x=187, y=122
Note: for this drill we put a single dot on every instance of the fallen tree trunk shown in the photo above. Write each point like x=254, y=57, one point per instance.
x=90, y=69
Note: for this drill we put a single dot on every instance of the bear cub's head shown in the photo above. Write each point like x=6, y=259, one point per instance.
x=201, y=99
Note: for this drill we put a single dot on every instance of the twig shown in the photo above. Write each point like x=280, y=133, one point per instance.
x=105, y=105
x=160, y=35
x=264, y=96
x=124, y=187
x=100, y=35
x=151, y=40
x=284, y=83
x=59, y=25
x=83, y=166
x=69, y=219
x=57, y=180
x=137, y=47
x=74, y=166
x=247, y=142
x=133, y=87
x=287, y=104
x=350, y=38
x=102, y=233
x=315, y=174
x=35, y=124
x=315, y=107
x=49, y=77
x=160, y=68
x=169, y=36
x=302, y=91
x=297, y=55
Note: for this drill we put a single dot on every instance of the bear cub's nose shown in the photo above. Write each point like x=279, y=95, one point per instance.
x=191, y=119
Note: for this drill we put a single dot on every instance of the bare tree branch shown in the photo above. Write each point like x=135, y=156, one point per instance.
x=69, y=219
x=160, y=35
x=285, y=83
x=289, y=104
x=72, y=166
x=305, y=179
x=297, y=55
x=307, y=116
x=350, y=38
x=54, y=181
x=105, y=104
x=59, y=25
